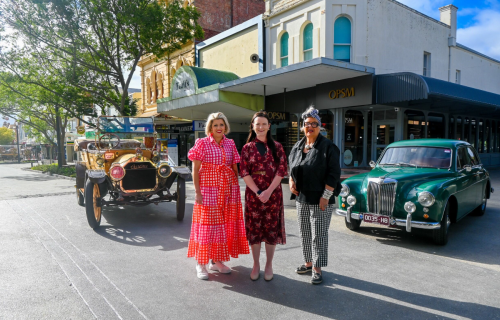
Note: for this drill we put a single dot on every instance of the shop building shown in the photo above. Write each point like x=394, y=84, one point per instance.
x=377, y=70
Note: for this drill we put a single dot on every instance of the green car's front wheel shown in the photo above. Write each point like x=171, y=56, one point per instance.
x=440, y=236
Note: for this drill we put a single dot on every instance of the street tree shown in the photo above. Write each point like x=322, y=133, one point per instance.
x=37, y=110
x=6, y=135
x=90, y=48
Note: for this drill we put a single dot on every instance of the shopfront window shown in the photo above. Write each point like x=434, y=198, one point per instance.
x=487, y=136
x=353, y=138
x=308, y=42
x=286, y=132
x=480, y=145
x=473, y=128
x=369, y=137
x=435, y=125
x=284, y=50
x=414, y=124
x=451, y=128
x=497, y=137
x=466, y=129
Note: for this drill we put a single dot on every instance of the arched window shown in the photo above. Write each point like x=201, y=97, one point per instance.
x=284, y=49
x=342, y=39
x=308, y=42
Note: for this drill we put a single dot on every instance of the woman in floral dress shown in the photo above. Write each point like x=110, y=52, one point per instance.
x=217, y=231
x=263, y=166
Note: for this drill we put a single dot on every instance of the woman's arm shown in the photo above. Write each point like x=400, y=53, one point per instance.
x=250, y=183
x=196, y=181
x=235, y=169
x=323, y=202
x=266, y=194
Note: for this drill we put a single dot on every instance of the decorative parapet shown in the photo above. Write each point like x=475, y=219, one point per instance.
x=274, y=7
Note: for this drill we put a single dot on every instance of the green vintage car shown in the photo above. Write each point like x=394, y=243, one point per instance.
x=418, y=184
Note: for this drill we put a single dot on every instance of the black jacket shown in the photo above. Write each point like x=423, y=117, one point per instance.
x=321, y=165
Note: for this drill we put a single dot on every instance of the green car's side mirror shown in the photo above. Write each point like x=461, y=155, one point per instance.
x=468, y=168
x=372, y=164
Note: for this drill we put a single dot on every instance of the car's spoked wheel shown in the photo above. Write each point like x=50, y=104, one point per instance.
x=92, y=208
x=181, y=198
x=79, y=198
x=440, y=236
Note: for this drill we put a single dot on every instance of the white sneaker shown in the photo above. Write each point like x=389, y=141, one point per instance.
x=220, y=267
x=201, y=272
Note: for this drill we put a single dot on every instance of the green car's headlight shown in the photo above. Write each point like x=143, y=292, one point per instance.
x=344, y=192
x=426, y=199
x=410, y=207
x=351, y=200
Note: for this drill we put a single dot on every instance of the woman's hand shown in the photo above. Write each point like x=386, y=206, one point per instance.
x=293, y=187
x=265, y=195
x=323, y=203
x=198, y=198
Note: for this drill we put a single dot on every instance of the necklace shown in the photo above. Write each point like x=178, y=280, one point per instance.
x=309, y=146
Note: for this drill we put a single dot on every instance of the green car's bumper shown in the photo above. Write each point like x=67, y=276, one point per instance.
x=408, y=222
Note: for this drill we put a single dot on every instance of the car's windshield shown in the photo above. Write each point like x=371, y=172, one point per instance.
x=126, y=126
x=427, y=157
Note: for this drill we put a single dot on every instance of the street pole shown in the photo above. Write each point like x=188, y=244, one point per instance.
x=17, y=140
x=59, y=142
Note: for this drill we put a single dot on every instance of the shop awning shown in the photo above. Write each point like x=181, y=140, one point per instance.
x=410, y=89
x=195, y=93
x=297, y=76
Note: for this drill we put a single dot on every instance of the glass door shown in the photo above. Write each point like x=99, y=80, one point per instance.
x=383, y=135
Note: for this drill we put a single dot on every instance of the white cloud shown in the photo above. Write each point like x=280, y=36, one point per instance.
x=482, y=33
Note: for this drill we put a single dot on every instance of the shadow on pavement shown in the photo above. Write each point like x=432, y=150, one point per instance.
x=147, y=226
x=341, y=297
x=31, y=178
x=467, y=240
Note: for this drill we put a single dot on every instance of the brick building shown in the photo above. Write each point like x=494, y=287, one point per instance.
x=216, y=17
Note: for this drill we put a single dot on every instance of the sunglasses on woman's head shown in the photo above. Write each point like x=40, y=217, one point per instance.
x=311, y=124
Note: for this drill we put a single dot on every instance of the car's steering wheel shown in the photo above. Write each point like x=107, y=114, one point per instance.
x=110, y=136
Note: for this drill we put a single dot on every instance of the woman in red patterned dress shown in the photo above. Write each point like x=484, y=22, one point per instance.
x=217, y=231
x=263, y=165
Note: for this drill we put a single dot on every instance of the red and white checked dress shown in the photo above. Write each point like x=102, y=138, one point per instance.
x=218, y=230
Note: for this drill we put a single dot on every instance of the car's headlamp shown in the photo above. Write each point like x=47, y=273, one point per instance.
x=410, y=207
x=426, y=199
x=344, y=192
x=351, y=200
x=164, y=170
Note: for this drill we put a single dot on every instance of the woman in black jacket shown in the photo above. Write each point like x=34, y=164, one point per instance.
x=314, y=183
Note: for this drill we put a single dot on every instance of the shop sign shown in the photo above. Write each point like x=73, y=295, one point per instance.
x=80, y=129
x=347, y=157
x=278, y=116
x=199, y=125
x=341, y=93
x=184, y=128
x=182, y=85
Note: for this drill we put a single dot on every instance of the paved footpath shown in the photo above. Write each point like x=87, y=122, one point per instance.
x=53, y=266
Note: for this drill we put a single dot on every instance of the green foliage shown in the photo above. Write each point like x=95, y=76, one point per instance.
x=83, y=53
x=54, y=169
x=7, y=136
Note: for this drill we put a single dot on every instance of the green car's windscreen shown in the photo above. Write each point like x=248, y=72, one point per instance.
x=426, y=157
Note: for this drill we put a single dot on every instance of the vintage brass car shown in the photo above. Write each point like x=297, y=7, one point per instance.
x=122, y=162
x=418, y=184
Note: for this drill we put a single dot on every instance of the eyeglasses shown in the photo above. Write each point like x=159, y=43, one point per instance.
x=311, y=124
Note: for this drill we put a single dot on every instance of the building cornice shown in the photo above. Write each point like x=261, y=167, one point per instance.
x=290, y=6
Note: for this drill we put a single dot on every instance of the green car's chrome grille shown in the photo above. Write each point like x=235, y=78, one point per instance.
x=381, y=195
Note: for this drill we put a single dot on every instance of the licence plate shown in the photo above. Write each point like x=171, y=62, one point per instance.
x=377, y=219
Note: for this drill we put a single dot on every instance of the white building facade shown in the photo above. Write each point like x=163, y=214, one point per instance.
x=383, y=34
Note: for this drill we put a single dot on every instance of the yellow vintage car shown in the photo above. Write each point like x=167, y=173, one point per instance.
x=121, y=166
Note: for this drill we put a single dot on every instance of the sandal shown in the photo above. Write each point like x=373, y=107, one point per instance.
x=303, y=269
x=317, y=278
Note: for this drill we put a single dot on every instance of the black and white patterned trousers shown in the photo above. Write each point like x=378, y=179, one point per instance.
x=313, y=226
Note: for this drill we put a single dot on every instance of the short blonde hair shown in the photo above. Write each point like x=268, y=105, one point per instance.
x=210, y=121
